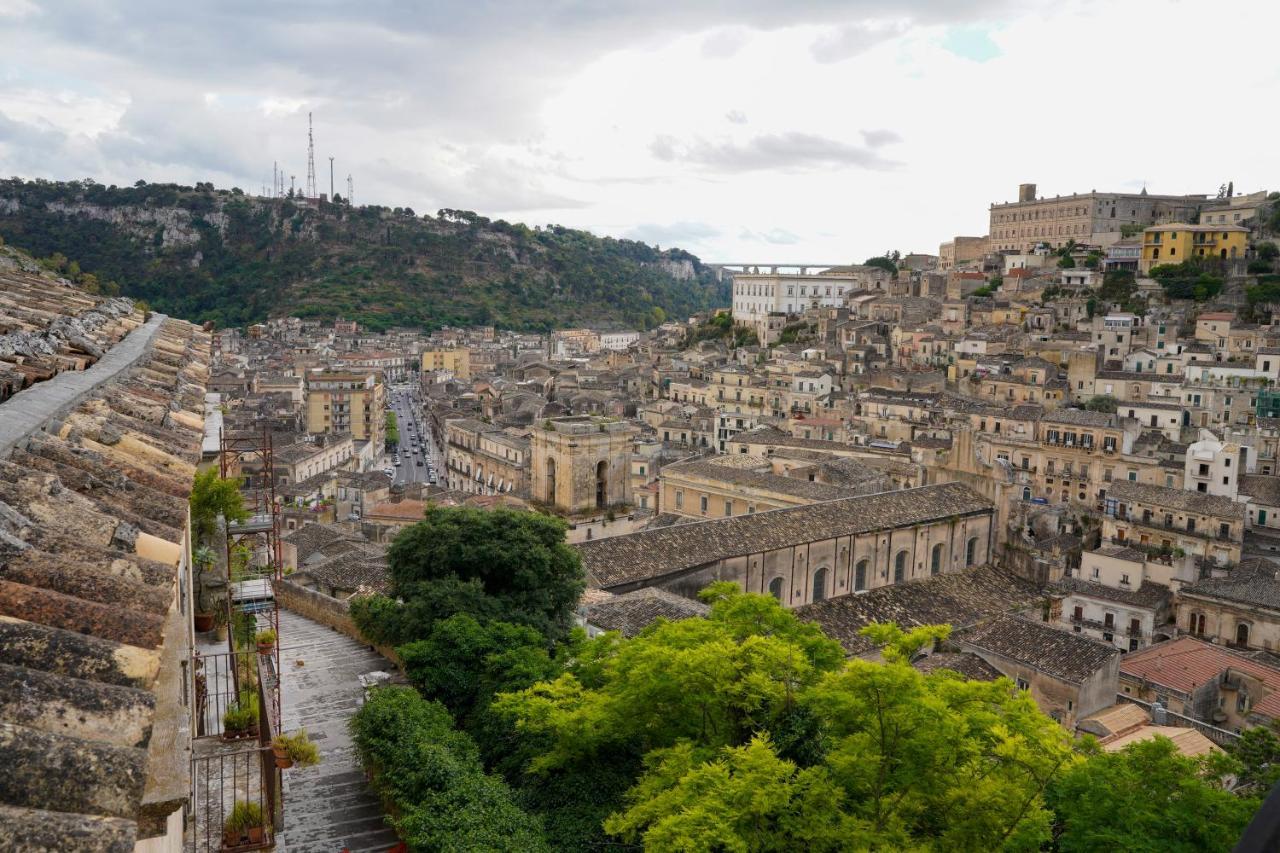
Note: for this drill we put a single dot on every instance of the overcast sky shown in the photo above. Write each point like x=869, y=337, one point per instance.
x=743, y=130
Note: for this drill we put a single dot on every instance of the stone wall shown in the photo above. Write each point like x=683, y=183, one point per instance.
x=327, y=611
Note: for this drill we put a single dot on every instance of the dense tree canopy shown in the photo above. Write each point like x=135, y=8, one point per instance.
x=235, y=260
x=500, y=564
x=1148, y=797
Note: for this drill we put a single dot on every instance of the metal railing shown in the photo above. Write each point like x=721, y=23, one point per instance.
x=1222, y=737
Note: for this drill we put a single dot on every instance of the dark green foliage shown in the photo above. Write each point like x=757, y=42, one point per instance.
x=1258, y=751
x=211, y=497
x=986, y=290
x=1267, y=250
x=721, y=327
x=502, y=564
x=431, y=775
x=1147, y=797
x=1194, y=279
x=368, y=264
x=884, y=262
x=462, y=663
x=1102, y=403
x=1066, y=262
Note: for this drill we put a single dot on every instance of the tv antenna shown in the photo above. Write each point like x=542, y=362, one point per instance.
x=311, y=161
x=349, y=189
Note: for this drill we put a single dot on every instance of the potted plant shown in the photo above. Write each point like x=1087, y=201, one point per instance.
x=265, y=640
x=240, y=720
x=294, y=749
x=243, y=826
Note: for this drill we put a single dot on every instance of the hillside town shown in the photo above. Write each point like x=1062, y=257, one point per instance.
x=1059, y=439
x=1033, y=407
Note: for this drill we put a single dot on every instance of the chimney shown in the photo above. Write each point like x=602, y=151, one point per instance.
x=1158, y=715
x=1026, y=192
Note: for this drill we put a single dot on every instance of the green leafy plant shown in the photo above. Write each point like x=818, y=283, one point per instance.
x=265, y=637
x=244, y=817
x=299, y=747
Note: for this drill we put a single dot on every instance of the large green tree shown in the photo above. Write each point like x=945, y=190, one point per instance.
x=1146, y=797
x=500, y=564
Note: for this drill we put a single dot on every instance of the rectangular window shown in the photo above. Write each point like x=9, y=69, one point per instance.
x=679, y=499
x=728, y=507
x=703, y=502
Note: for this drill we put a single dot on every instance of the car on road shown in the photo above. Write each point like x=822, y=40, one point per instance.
x=420, y=462
x=397, y=461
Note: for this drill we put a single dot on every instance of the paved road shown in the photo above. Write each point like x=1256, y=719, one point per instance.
x=329, y=806
x=409, y=419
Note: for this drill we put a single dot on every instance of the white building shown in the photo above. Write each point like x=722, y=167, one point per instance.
x=757, y=295
x=619, y=341
x=1213, y=467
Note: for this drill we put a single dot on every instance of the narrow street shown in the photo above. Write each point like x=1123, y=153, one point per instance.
x=328, y=807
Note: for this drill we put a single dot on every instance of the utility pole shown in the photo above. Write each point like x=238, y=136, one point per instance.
x=312, y=193
x=292, y=178
x=330, y=179
x=349, y=201
x=275, y=179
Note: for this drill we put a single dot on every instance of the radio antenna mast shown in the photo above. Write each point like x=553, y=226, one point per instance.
x=311, y=162
x=349, y=201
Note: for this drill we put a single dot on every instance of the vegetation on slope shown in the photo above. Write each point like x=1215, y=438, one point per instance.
x=207, y=254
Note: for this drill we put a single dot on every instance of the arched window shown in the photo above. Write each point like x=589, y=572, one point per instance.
x=935, y=562
x=1026, y=493
x=1197, y=624
x=860, y=576
x=819, y=584
x=1242, y=634
x=602, y=484
x=775, y=587
x=551, y=480
x=900, y=567
x=971, y=551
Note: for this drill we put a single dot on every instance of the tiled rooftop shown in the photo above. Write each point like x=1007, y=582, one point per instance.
x=632, y=612
x=92, y=524
x=958, y=599
x=1060, y=654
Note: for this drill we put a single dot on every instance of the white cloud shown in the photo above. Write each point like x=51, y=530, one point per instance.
x=631, y=118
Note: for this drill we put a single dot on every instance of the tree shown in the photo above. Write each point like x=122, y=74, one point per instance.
x=502, y=564
x=1092, y=260
x=392, y=431
x=431, y=775
x=1066, y=262
x=1101, y=403
x=1146, y=797
x=1267, y=250
x=462, y=663
x=211, y=497
x=883, y=262
x=712, y=681
x=905, y=760
x=1258, y=751
x=747, y=798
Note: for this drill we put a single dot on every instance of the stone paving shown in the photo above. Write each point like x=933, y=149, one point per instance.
x=328, y=807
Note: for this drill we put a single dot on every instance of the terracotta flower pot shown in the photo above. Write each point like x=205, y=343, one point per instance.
x=204, y=621
x=283, y=760
x=266, y=648
x=255, y=835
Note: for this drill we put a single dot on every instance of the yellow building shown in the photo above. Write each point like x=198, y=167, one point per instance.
x=457, y=361
x=342, y=402
x=1178, y=241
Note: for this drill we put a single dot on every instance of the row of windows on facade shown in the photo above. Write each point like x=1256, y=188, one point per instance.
x=1055, y=213
x=861, y=572
x=1196, y=626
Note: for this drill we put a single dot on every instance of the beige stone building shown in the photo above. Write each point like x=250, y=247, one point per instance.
x=808, y=553
x=1241, y=608
x=457, y=361
x=582, y=464
x=1019, y=226
x=729, y=485
x=961, y=252
x=351, y=402
x=1207, y=527
x=483, y=459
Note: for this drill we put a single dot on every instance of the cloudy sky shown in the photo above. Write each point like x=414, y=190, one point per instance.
x=812, y=131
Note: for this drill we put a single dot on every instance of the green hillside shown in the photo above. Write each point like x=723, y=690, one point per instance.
x=207, y=254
